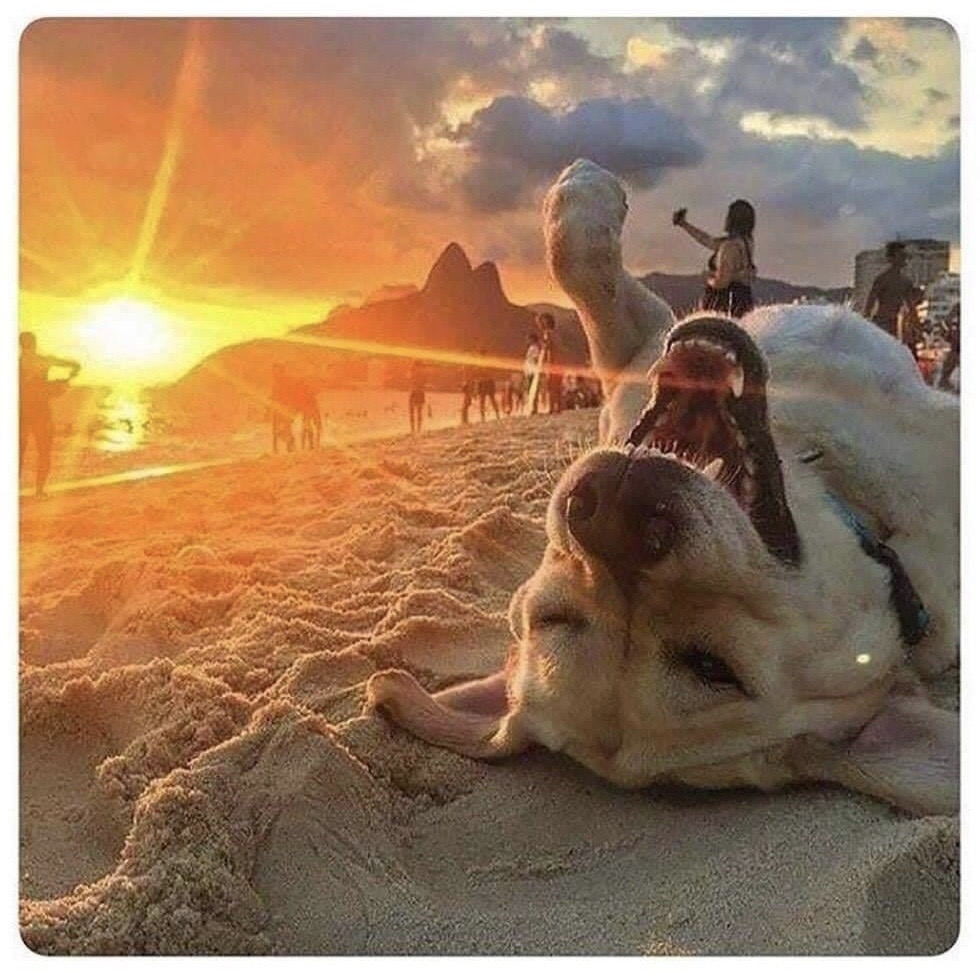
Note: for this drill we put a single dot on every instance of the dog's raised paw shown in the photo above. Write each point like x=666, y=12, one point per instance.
x=386, y=688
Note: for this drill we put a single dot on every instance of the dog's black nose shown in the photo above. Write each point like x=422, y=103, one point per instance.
x=626, y=510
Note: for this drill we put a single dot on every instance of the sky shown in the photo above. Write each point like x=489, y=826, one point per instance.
x=241, y=177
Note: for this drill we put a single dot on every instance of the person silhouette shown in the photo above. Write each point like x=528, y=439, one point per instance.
x=486, y=389
x=551, y=359
x=532, y=380
x=36, y=392
x=731, y=267
x=282, y=409
x=416, y=395
x=893, y=293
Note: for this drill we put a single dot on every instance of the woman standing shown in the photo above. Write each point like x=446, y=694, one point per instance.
x=531, y=374
x=731, y=268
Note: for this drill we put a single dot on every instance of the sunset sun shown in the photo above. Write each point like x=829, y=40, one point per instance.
x=126, y=331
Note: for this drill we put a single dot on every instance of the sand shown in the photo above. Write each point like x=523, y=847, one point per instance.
x=197, y=776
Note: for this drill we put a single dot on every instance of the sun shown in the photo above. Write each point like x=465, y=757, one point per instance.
x=125, y=332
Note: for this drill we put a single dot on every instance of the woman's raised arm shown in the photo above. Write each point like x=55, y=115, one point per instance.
x=705, y=239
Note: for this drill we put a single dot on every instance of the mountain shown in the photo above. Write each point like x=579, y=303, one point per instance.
x=683, y=291
x=461, y=311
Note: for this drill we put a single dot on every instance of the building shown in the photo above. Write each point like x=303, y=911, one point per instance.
x=941, y=295
x=927, y=260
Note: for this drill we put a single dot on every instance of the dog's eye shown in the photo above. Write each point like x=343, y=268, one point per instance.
x=557, y=617
x=709, y=668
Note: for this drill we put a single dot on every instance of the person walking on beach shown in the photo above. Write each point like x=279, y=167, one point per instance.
x=469, y=387
x=507, y=396
x=892, y=292
x=952, y=359
x=36, y=393
x=311, y=426
x=532, y=358
x=416, y=395
x=519, y=385
x=486, y=388
x=282, y=409
x=551, y=363
x=731, y=267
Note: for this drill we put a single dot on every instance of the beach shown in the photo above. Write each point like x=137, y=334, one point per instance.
x=198, y=775
x=112, y=435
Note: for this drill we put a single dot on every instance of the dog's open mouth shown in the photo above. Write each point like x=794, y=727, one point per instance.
x=708, y=411
x=689, y=418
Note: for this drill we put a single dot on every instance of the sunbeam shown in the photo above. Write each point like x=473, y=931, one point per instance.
x=187, y=89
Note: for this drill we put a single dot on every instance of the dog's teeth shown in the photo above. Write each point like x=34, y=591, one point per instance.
x=737, y=381
x=731, y=356
x=749, y=465
x=713, y=469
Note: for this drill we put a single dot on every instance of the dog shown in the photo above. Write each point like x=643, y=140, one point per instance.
x=746, y=582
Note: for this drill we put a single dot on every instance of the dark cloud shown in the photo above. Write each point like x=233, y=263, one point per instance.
x=515, y=144
x=786, y=66
x=784, y=33
x=810, y=83
x=904, y=63
x=934, y=96
x=909, y=196
x=561, y=53
x=866, y=50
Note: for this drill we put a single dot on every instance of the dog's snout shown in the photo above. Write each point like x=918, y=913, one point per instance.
x=622, y=510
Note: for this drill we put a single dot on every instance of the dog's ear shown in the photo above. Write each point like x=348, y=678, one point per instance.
x=473, y=719
x=908, y=755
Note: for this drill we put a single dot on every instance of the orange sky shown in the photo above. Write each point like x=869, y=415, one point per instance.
x=244, y=177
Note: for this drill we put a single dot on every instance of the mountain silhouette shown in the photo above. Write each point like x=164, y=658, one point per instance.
x=461, y=311
x=683, y=291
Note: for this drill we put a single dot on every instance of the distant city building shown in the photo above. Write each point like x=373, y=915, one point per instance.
x=941, y=295
x=927, y=260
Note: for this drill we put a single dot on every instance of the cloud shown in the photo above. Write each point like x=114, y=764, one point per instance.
x=908, y=196
x=889, y=54
x=791, y=66
x=810, y=84
x=516, y=144
x=329, y=154
x=866, y=50
x=784, y=33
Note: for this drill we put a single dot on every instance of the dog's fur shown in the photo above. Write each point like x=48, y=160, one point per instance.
x=826, y=689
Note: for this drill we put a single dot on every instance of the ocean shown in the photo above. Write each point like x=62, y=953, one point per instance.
x=121, y=435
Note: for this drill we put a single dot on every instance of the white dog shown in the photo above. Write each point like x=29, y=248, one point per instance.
x=745, y=582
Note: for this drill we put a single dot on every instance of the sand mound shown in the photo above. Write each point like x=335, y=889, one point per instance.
x=197, y=776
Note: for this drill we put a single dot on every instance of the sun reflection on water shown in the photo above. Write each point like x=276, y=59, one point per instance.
x=121, y=423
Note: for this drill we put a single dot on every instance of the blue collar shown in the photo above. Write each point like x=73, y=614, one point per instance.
x=913, y=618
